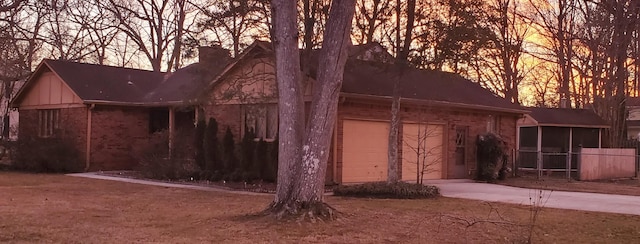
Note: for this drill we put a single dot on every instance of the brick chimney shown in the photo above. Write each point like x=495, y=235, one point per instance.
x=213, y=55
x=564, y=102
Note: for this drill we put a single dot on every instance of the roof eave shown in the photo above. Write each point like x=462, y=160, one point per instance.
x=568, y=125
x=19, y=95
x=139, y=104
x=438, y=103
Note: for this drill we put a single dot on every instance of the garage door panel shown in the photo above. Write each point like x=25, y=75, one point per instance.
x=422, y=150
x=364, y=151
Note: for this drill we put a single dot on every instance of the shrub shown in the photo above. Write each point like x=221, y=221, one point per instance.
x=398, y=190
x=52, y=155
x=156, y=163
x=492, y=157
x=199, y=143
x=229, y=152
x=211, y=148
x=260, y=159
x=247, y=147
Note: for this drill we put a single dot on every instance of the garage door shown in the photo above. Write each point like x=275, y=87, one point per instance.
x=422, y=151
x=364, y=151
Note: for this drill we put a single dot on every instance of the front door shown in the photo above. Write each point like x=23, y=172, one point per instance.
x=460, y=164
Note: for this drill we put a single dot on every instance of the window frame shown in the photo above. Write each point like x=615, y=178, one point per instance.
x=48, y=122
x=259, y=117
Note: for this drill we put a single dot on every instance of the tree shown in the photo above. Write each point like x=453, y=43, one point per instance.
x=229, y=152
x=211, y=147
x=424, y=149
x=10, y=5
x=99, y=32
x=557, y=21
x=622, y=18
x=402, y=54
x=500, y=65
x=201, y=128
x=303, y=155
x=370, y=17
x=236, y=22
x=156, y=27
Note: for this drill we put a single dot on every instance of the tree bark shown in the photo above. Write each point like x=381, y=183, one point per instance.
x=326, y=90
x=302, y=167
x=290, y=104
x=402, y=57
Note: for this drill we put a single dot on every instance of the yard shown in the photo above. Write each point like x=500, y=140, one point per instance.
x=63, y=209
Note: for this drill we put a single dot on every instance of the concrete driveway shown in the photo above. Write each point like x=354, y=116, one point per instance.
x=554, y=199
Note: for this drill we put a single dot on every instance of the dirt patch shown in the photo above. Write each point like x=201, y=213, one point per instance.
x=628, y=186
x=41, y=208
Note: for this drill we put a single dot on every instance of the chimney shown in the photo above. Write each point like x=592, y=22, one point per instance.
x=563, y=102
x=213, y=55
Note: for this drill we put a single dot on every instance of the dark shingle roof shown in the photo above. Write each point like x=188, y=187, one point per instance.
x=185, y=84
x=106, y=83
x=369, y=78
x=633, y=101
x=567, y=117
x=118, y=85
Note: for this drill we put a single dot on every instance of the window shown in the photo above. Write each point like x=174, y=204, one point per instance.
x=493, y=124
x=48, y=121
x=262, y=119
x=158, y=120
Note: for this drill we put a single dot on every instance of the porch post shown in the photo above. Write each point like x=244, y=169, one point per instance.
x=539, y=152
x=88, y=145
x=570, y=153
x=599, y=137
x=172, y=120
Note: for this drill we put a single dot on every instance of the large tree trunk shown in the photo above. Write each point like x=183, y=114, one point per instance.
x=290, y=104
x=315, y=150
x=303, y=166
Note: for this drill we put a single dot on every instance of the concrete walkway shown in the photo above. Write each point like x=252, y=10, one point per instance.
x=94, y=175
x=468, y=189
x=596, y=202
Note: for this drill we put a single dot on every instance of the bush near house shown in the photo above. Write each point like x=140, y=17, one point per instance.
x=492, y=158
x=398, y=190
x=206, y=157
x=156, y=162
x=201, y=126
x=50, y=155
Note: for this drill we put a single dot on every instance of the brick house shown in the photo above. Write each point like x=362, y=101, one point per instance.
x=106, y=111
x=441, y=113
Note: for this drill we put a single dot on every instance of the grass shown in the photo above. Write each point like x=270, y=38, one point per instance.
x=558, y=183
x=62, y=209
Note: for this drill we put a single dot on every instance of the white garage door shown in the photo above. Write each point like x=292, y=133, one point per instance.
x=422, y=151
x=364, y=151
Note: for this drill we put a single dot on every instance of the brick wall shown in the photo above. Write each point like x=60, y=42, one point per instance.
x=72, y=125
x=227, y=115
x=115, y=134
x=474, y=120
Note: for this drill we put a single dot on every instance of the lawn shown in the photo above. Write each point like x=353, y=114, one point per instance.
x=63, y=209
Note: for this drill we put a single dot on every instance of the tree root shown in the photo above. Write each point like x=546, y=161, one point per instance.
x=302, y=211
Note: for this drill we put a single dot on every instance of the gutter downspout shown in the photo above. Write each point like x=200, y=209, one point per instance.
x=88, y=154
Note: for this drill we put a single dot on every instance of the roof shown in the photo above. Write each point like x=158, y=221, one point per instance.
x=116, y=85
x=92, y=82
x=633, y=123
x=633, y=101
x=95, y=83
x=567, y=117
x=373, y=78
